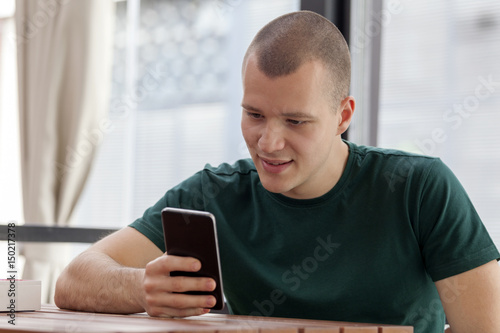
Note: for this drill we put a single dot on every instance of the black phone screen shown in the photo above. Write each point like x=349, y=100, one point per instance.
x=192, y=233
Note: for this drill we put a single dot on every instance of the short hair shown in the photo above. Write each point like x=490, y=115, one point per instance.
x=289, y=41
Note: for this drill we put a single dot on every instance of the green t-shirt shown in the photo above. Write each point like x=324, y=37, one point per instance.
x=366, y=251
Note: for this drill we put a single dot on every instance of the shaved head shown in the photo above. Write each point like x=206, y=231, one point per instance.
x=289, y=41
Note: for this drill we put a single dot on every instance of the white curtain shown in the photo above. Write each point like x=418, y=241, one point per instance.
x=64, y=77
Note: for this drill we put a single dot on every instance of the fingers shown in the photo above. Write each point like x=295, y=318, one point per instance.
x=180, y=284
x=163, y=293
x=167, y=264
x=172, y=312
x=179, y=305
x=159, y=269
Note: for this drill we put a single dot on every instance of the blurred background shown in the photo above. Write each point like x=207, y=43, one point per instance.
x=426, y=78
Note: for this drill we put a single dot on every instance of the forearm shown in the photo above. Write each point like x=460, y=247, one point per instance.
x=94, y=282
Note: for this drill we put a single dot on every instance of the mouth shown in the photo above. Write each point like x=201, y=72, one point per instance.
x=276, y=163
x=275, y=166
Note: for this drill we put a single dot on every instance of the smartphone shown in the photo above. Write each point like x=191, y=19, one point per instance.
x=192, y=233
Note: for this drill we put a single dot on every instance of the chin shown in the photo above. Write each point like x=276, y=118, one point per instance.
x=275, y=188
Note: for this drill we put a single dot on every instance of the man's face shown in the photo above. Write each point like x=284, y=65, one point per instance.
x=292, y=131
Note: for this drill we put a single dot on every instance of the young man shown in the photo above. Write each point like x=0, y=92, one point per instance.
x=313, y=226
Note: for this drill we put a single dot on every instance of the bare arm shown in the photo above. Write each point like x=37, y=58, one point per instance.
x=471, y=300
x=125, y=273
x=107, y=277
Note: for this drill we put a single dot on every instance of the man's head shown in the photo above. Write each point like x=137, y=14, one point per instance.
x=295, y=38
x=295, y=105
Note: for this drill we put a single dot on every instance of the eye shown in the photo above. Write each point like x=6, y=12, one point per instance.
x=254, y=115
x=295, y=122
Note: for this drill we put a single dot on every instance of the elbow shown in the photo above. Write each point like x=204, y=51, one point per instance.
x=60, y=293
x=71, y=286
x=64, y=292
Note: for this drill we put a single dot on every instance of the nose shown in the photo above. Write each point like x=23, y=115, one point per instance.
x=271, y=139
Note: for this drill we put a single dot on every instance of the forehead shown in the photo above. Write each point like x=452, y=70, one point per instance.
x=302, y=90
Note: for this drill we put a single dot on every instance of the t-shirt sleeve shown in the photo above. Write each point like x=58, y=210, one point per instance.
x=185, y=195
x=452, y=236
x=149, y=224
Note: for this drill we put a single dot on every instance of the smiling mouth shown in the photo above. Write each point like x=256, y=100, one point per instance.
x=276, y=163
x=274, y=166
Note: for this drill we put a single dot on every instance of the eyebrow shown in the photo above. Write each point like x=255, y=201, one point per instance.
x=293, y=114
x=249, y=108
x=298, y=114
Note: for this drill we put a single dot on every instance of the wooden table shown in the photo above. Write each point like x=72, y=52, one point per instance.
x=52, y=319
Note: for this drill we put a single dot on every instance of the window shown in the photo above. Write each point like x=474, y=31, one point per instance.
x=175, y=102
x=440, y=91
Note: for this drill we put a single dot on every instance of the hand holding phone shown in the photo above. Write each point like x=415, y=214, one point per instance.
x=192, y=233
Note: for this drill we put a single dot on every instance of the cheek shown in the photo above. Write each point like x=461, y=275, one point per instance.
x=312, y=144
x=249, y=132
x=308, y=149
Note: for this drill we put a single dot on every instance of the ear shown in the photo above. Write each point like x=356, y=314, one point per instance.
x=345, y=112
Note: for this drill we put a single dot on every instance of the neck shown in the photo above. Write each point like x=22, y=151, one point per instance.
x=339, y=166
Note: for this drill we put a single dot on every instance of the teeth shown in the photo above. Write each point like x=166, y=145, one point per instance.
x=276, y=163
